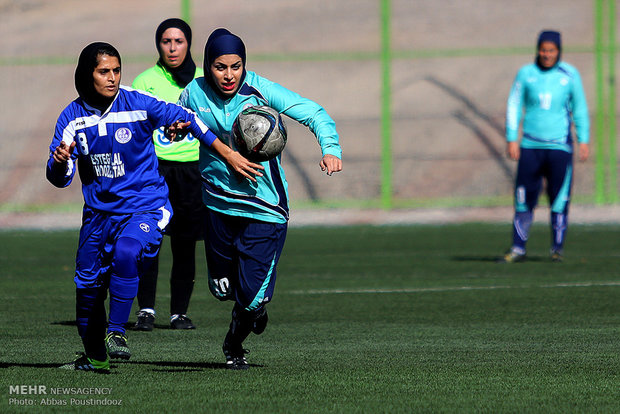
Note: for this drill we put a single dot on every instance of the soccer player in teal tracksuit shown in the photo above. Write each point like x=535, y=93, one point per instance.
x=247, y=221
x=107, y=134
x=548, y=95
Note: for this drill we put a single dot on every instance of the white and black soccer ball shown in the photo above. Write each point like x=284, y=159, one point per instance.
x=259, y=133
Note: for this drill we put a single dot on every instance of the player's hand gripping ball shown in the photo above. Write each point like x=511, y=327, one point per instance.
x=259, y=133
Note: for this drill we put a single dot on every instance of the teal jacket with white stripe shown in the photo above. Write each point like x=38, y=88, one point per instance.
x=549, y=102
x=223, y=191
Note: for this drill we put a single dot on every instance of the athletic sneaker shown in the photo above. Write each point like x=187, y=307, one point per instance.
x=512, y=257
x=556, y=256
x=145, y=322
x=181, y=322
x=235, y=357
x=84, y=363
x=116, y=343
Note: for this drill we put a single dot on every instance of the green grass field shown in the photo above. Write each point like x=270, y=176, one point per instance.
x=365, y=319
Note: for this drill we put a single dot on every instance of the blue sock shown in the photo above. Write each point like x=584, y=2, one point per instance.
x=521, y=229
x=558, y=230
x=123, y=282
x=91, y=321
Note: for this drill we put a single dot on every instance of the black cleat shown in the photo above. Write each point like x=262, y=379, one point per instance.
x=181, y=322
x=84, y=363
x=235, y=357
x=145, y=322
x=116, y=343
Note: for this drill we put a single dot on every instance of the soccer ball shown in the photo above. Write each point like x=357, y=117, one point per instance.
x=259, y=133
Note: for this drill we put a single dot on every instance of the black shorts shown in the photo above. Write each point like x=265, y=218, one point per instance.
x=185, y=188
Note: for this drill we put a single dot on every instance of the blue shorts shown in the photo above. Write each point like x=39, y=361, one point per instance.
x=246, y=252
x=99, y=234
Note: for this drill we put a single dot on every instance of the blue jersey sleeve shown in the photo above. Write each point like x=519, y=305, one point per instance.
x=164, y=114
x=61, y=175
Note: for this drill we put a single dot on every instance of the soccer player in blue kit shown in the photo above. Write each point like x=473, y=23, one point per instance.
x=247, y=220
x=549, y=95
x=107, y=131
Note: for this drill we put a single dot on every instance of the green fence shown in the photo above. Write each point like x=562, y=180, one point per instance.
x=397, y=167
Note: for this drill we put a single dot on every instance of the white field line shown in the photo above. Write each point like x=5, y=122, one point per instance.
x=448, y=288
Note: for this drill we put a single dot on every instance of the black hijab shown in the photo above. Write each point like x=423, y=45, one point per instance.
x=84, y=81
x=222, y=42
x=185, y=72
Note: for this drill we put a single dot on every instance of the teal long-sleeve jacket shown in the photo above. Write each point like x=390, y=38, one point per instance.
x=267, y=198
x=548, y=102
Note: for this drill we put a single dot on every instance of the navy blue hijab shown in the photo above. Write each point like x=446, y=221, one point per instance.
x=184, y=73
x=84, y=81
x=222, y=42
x=549, y=36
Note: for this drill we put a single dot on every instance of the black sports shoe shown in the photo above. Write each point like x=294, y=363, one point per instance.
x=181, y=322
x=235, y=357
x=145, y=322
x=84, y=363
x=116, y=343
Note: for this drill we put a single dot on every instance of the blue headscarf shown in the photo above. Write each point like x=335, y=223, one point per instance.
x=222, y=42
x=549, y=36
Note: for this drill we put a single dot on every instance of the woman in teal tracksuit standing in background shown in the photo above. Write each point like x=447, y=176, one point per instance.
x=247, y=221
x=548, y=95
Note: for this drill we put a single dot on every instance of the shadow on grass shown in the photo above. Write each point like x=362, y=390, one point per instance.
x=178, y=366
x=128, y=325
x=159, y=366
x=64, y=323
x=497, y=259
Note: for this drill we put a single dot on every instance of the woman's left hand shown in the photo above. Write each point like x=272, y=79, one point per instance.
x=330, y=164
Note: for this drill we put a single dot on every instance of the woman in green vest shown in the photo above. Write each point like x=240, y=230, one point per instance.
x=178, y=163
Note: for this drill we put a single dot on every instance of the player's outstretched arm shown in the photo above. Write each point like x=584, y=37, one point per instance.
x=238, y=162
x=330, y=164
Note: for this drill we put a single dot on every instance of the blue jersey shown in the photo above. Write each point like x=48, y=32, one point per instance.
x=115, y=154
x=549, y=102
x=267, y=199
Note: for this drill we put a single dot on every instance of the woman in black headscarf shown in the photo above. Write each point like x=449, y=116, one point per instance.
x=87, y=62
x=178, y=164
x=107, y=134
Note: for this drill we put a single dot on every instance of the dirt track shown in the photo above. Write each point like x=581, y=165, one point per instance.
x=341, y=217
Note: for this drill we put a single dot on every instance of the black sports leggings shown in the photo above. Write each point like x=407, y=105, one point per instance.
x=181, y=277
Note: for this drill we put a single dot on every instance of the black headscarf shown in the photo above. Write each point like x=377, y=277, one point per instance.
x=84, y=81
x=222, y=42
x=549, y=36
x=185, y=72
